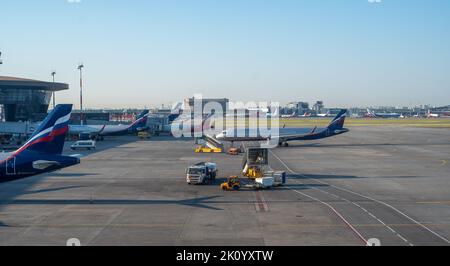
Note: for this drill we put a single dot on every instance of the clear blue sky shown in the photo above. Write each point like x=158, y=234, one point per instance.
x=149, y=52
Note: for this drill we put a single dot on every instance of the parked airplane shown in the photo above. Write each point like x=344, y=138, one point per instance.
x=383, y=115
x=335, y=128
x=42, y=153
x=306, y=115
x=274, y=114
x=431, y=115
x=328, y=114
x=112, y=130
x=293, y=115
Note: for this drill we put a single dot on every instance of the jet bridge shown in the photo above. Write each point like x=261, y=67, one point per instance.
x=255, y=162
x=256, y=166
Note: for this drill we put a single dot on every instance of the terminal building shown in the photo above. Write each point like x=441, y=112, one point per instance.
x=25, y=99
x=223, y=104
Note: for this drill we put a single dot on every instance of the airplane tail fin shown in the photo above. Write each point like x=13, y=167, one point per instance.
x=339, y=121
x=141, y=120
x=143, y=114
x=50, y=136
x=276, y=113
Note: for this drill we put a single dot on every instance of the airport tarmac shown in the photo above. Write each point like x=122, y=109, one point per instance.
x=385, y=183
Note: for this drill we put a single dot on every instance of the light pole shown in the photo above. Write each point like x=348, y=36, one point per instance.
x=80, y=67
x=54, y=100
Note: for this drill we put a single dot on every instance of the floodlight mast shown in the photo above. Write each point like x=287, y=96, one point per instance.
x=80, y=67
x=54, y=100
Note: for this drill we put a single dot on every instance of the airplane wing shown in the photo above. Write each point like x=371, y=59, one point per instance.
x=78, y=129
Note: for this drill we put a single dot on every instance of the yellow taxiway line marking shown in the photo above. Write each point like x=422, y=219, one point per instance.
x=444, y=162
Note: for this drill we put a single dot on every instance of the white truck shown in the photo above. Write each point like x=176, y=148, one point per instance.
x=84, y=145
x=270, y=180
x=265, y=182
x=201, y=173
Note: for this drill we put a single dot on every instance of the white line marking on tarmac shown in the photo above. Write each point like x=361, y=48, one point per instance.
x=396, y=210
x=365, y=210
x=372, y=199
x=369, y=213
x=337, y=213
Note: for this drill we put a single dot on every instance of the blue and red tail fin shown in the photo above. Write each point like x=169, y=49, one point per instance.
x=141, y=121
x=50, y=136
x=143, y=114
x=339, y=121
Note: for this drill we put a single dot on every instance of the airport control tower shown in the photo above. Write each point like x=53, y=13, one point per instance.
x=25, y=99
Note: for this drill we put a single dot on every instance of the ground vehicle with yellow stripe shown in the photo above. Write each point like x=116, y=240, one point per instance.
x=144, y=135
x=208, y=150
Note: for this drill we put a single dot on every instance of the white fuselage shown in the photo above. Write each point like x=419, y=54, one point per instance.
x=97, y=129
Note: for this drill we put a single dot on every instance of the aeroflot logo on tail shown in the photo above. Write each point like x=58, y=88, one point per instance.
x=59, y=128
x=262, y=116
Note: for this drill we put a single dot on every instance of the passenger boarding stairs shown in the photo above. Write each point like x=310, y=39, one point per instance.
x=212, y=142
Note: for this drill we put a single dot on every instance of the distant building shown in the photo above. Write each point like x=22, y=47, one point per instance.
x=108, y=117
x=90, y=117
x=25, y=99
x=319, y=107
x=298, y=108
x=442, y=109
x=224, y=104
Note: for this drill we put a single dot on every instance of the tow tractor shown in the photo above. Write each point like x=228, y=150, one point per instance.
x=257, y=171
x=143, y=135
x=233, y=184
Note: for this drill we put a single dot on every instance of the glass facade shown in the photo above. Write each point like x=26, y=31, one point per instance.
x=24, y=104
